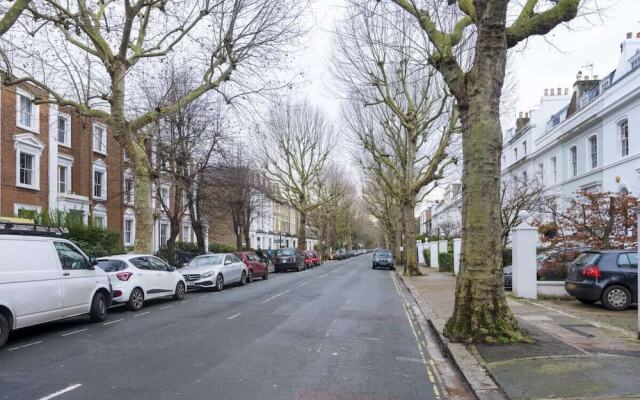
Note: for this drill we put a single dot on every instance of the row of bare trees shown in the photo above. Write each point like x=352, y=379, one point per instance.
x=102, y=58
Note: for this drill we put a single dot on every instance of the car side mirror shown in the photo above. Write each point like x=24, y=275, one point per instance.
x=184, y=264
x=92, y=262
x=172, y=269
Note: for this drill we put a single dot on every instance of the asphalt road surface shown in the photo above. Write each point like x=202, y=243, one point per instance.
x=341, y=331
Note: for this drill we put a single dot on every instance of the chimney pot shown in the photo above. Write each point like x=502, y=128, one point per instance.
x=520, y=115
x=552, y=93
x=595, y=77
x=629, y=35
x=638, y=35
x=526, y=115
x=586, y=77
x=566, y=91
x=546, y=92
x=559, y=91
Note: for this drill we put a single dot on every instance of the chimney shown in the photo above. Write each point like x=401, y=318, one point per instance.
x=579, y=76
x=521, y=122
x=629, y=35
x=595, y=77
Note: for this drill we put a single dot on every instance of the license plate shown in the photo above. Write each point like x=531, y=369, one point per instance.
x=571, y=285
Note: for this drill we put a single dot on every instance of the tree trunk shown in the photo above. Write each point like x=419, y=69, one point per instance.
x=247, y=238
x=302, y=231
x=481, y=312
x=195, y=205
x=143, y=208
x=409, y=244
x=171, y=242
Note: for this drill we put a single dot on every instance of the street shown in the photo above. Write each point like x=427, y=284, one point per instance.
x=338, y=331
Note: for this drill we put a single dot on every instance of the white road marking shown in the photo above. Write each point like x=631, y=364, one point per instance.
x=24, y=345
x=63, y=391
x=303, y=283
x=234, y=315
x=112, y=322
x=203, y=296
x=323, y=275
x=275, y=296
x=74, y=332
x=165, y=307
x=183, y=302
x=141, y=314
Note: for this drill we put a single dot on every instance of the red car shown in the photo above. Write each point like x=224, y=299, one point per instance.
x=311, y=259
x=256, y=267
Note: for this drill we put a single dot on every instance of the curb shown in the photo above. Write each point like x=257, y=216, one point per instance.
x=473, y=371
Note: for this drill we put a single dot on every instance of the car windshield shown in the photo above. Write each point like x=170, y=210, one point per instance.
x=206, y=260
x=285, y=252
x=111, y=265
x=587, y=258
x=383, y=254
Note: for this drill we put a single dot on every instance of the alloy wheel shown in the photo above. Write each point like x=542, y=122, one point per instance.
x=220, y=282
x=617, y=297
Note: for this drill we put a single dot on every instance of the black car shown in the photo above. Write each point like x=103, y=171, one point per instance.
x=609, y=276
x=508, y=277
x=288, y=259
x=383, y=259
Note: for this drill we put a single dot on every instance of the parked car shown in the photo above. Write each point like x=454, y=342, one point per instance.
x=341, y=254
x=214, y=271
x=383, y=259
x=136, y=278
x=257, y=267
x=553, y=265
x=609, y=276
x=44, y=277
x=288, y=259
x=311, y=259
x=507, y=272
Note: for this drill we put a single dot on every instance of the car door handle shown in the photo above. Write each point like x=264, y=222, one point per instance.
x=66, y=273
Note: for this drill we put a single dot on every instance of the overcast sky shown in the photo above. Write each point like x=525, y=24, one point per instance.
x=537, y=66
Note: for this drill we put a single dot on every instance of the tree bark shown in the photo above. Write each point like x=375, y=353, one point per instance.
x=302, y=231
x=409, y=245
x=481, y=312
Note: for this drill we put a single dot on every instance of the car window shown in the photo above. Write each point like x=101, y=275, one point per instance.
x=227, y=260
x=587, y=259
x=285, y=252
x=159, y=265
x=141, y=262
x=628, y=260
x=206, y=260
x=251, y=257
x=235, y=259
x=70, y=257
x=111, y=265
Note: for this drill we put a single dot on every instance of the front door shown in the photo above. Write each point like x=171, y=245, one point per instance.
x=166, y=278
x=78, y=279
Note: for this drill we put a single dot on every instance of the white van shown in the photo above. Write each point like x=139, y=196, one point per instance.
x=44, y=277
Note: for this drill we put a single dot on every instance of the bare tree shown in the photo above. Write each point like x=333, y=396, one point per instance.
x=300, y=141
x=519, y=199
x=386, y=77
x=495, y=26
x=90, y=56
x=182, y=148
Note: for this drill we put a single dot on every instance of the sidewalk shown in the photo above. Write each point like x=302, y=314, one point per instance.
x=579, y=351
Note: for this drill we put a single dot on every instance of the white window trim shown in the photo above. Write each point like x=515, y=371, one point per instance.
x=67, y=134
x=100, y=211
x=623, y=120
x=25, y=143
x=100, y=167
x=104, y=138
x=160, y=225
x=129, y=216
x=589, y=159
x=167, y=203
x=128, y=175
x=20, y=206
x=573, y=172
x=187, y=226
x=36, y=112
x=67, y=162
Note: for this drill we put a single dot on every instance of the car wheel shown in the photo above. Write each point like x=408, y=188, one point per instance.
x=266, y=274
x=243, y=278
x=250, y=277
x=373, y=266
x=586, y=301
x=180, y=291
x=219, y=283
x=98, y=310
x=616, y=298
x=136, y=300
x=4, y=330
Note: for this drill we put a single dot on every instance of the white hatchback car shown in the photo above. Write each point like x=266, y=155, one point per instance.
x=138, y=277
x=214, y=271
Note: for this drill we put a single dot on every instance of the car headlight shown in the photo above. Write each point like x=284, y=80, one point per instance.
x=207, y=274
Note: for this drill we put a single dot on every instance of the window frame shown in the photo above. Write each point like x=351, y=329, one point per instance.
x=623, y=131
x=163, y=224
x=35, y=111
x=103, y=139
x=573, y=160
x=131, y=233
x=592, y=151
x=67, y=133
x=554, y=168
x=101, y=168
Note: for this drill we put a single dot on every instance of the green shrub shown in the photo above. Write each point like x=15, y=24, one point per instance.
x=445, y=262
x=427, y=257
x=95, y=241
x=221, y=248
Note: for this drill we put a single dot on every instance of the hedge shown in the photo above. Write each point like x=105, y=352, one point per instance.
x=445, y=262
x=221, y=248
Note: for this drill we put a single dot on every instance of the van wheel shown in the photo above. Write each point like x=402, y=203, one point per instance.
x=98, y=308
x=180, y=291
x=136, y=300
x=4, y=330
x=616, y=298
